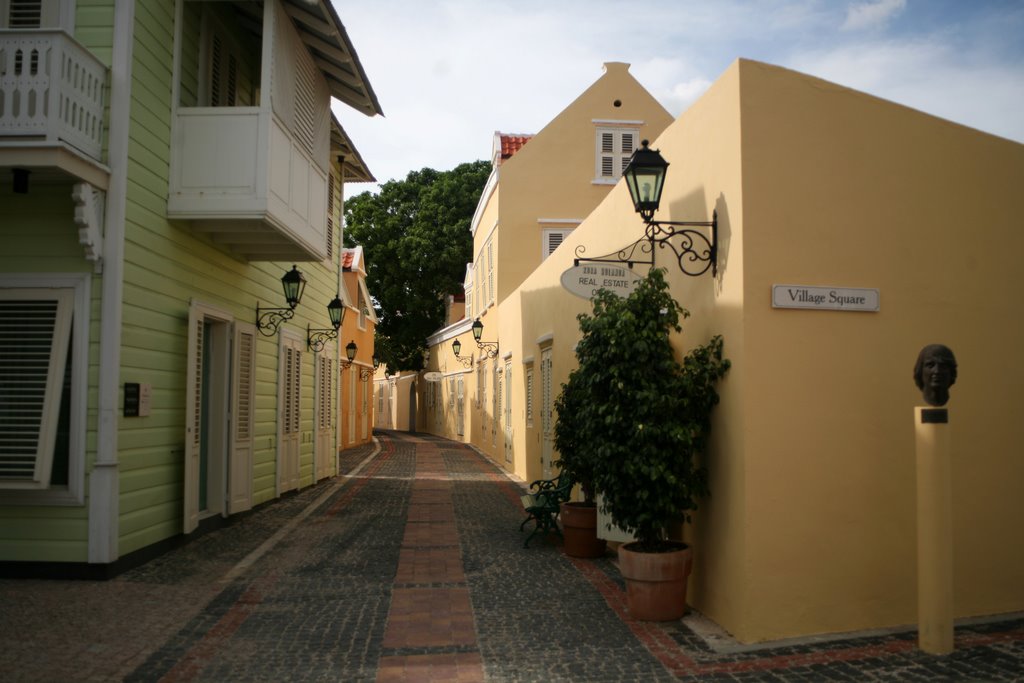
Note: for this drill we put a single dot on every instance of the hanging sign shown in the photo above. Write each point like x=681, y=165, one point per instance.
x=585, y=279
x=433, y=376
x=825, y=298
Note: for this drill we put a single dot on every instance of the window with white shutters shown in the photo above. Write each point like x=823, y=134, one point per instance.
x=35, y=386
x=551, y=240
x=490, y=272
x=615, y=146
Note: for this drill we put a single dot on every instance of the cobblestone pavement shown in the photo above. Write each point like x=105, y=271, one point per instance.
x=411, y=567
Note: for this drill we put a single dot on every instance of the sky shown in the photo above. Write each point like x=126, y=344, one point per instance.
x=450, y=73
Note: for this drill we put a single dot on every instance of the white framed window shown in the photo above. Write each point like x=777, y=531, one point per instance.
x=615, y=146
x=44, y=342
x=490, y=272
x=551, y=239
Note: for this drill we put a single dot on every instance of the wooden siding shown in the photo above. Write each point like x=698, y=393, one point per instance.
x=167, y=265
x=39, y=236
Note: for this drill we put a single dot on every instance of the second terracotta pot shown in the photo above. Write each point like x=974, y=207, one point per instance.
x=579, y=528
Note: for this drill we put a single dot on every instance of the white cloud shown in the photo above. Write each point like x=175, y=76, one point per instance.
x=864, y=15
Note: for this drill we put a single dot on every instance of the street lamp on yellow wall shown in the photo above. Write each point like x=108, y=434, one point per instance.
x=467, y=361
x=645, y=178
x=490, y=349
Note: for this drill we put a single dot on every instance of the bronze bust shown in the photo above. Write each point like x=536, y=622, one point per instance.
x=935, y=373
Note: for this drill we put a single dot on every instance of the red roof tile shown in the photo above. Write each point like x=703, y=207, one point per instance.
x=510, y=144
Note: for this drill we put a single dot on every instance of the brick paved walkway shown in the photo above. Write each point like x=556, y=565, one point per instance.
x=411, y=569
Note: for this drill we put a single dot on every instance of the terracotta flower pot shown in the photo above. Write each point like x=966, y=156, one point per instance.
x=579, y=528
x=655, y=582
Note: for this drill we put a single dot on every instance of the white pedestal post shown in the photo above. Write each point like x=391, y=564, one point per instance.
x=934, y=531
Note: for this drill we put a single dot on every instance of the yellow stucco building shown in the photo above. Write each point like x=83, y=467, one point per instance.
x=810, y=527
x=541, y=188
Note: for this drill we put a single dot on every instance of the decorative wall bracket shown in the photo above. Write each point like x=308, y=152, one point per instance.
x=89, y=204
x=692, y=251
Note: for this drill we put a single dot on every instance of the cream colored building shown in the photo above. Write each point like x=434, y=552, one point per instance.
x=810, y=527
x=541, y=188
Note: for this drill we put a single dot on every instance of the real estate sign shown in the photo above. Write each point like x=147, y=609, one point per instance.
x=585, y=279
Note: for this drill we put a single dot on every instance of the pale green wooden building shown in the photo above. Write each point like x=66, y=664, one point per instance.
x=163, y=164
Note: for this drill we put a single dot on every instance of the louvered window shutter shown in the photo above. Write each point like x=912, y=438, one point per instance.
x=35, y=337
x=244, y=417
x=554, y=240
x=24, y=14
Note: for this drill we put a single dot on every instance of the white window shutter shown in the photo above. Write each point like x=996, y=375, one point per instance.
x=35, y=334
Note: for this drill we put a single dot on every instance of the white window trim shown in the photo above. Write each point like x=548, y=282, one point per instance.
x=81, y=283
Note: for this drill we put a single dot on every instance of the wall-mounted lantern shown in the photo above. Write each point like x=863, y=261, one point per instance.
x=645, y=178
x=268, y=319
x=467, y=361
x=317, y=338
x=488, y=348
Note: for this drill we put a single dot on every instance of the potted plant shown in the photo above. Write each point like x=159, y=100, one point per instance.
x=579, y=518
x=645, y=433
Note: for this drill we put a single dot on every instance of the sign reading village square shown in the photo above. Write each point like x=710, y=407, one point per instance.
x=585, y=279
x=824, y=298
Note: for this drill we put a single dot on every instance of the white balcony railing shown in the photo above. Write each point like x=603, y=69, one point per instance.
x=52, y=90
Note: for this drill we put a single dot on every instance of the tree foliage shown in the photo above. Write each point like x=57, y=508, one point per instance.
x=415, y=234
x=633, y=419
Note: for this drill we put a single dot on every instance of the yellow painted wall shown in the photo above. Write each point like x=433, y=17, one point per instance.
x=844, y=189
x=810, y=526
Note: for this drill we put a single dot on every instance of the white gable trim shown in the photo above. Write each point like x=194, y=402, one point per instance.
x=489, y=188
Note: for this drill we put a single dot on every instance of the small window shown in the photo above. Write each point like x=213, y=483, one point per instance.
x=551, y=240
x=44, y=349
x=529, y=397
x=615, y=146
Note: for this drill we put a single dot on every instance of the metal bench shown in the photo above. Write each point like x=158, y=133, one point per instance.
x=542, y=505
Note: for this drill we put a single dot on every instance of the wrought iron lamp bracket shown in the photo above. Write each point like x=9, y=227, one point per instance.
x=317, y=339
x=467, y=361
x=269, y=319
x=693, y=251
x=366, y=373
x=489, y=349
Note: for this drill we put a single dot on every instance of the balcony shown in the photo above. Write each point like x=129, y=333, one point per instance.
x=52, y=102
x=240, y=176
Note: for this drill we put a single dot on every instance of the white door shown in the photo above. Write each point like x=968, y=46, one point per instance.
x=325, y=453
x=290, y=417
x=364, y=387
x=240, y=471
x=207, y=378
x=547, y=432
x=496, y=404
x=460, y=406
x=352, y=405
x=508, y=411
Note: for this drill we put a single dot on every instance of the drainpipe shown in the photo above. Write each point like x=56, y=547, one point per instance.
x=104, y=491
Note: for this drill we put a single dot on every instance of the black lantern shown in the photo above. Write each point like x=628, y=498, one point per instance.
x=294, y=285
x=336, y=312
x=269, y=319
x=695, y=253
x=490, y=348
x=350, y=351
x=376, y=362
x=317, y=338
x=367, y=373
x=466, y=361
x=645, y=178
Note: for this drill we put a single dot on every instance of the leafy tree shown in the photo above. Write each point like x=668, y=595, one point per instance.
x=636, y=420
x=415, y=233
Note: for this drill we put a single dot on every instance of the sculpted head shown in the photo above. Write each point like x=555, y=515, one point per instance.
x=935, y=373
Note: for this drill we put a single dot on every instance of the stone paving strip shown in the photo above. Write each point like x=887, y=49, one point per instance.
x=410, y=567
